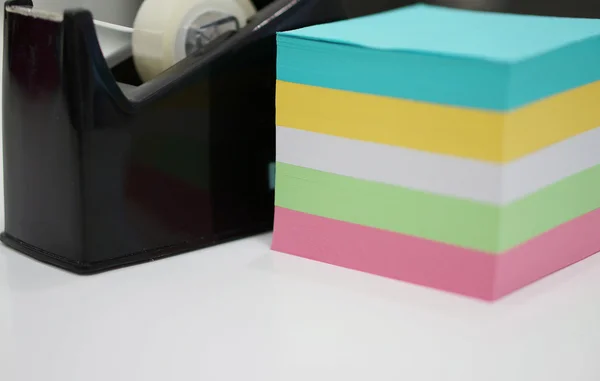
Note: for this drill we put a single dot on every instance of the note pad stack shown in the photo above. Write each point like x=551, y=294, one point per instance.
x=454, y=149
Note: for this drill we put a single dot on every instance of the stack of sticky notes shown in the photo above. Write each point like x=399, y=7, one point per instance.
x=454, y=149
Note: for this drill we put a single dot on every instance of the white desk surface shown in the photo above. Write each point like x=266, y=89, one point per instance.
x=239, y=312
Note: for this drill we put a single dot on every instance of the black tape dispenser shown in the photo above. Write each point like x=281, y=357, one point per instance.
x=116, y=154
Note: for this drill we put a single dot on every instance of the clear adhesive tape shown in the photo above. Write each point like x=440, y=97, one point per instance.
x=165, y=32
x=248, y=7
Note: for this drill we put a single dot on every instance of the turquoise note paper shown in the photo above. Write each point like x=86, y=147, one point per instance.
x=448, y=56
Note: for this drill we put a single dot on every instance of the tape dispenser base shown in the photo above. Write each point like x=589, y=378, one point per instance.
x=101, y=174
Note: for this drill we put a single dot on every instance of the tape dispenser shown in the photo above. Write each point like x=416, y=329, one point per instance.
x=125, y=143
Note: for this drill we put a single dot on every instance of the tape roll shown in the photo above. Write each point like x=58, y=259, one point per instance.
x=165, y=32
x=248, y=7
